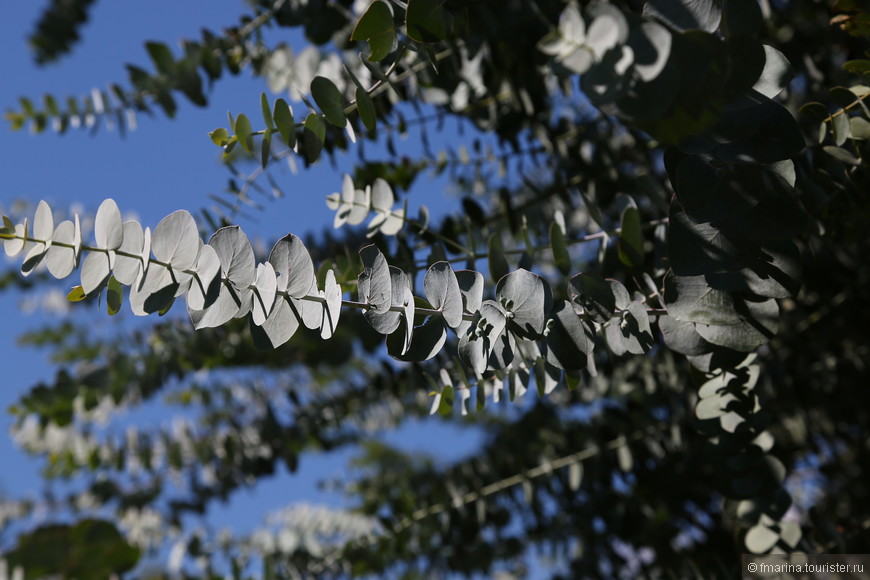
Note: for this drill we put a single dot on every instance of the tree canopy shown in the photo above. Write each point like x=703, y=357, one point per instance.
x=659, y=228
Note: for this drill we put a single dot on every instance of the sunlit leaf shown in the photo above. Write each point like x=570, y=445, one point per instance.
x=219, y=137
x=293, y=266
x=127, y=268
x=61, y=258
x=238, y=268
x=205, y=286
x=77, y=294
x=108, y=228
x=527, y=298
x=332, y=310
x=375, y=288
x=279, y=327
x=15, y=245
x=95, y=272
x=686, y=14
x=760, y=539
x=264, y=287
x=481, y=337
x=776, y=75
x=442, y=290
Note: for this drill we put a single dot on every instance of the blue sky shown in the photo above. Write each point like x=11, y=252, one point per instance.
x=163, y=166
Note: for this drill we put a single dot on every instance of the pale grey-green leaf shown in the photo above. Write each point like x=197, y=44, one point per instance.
x=527, y=298
x=264, y=288
x=176, y=240
x=127, y=269
x=442, y=290
x=760, y=539
x=375, y=288
x=293, y=265
x=332, y=310
x=205, y=286
x=95, y=272
x=108, y=228
x=61, y=260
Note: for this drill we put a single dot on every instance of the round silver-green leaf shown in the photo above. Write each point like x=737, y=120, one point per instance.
x=442, y=290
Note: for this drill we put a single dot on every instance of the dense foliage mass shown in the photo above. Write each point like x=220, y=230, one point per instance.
x=661, y=232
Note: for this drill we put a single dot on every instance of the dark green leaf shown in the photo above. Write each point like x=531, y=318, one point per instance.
x=561, y=257
x=283, y=117
x=329, y=99
x=313, y=137
x=114, y=296
x=267, y=114
x=426, y=20
x=568, y=339
x=266, y=148
x=243, y=131
x=741, y=18
x=594, y=294
x=161, y=56
x=630, y=243
x=762, y=133
x=857, y=66
x=376, y=27
x=428, y=340
x=498, y=265
x=366, y=109
x=89, y=550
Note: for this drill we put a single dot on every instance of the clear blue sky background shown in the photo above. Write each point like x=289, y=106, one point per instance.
x=163, y=166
